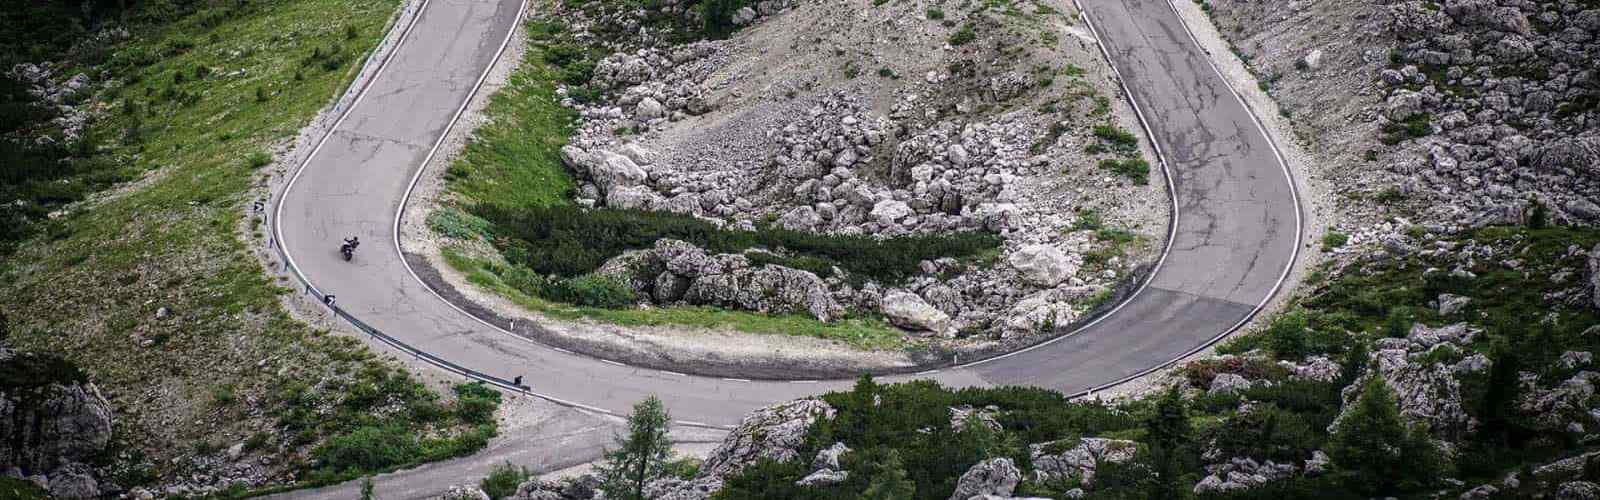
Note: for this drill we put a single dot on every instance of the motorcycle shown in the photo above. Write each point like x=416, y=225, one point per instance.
x=348, y=249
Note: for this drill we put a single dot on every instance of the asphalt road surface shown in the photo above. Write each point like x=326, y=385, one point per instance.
x=1236, y=225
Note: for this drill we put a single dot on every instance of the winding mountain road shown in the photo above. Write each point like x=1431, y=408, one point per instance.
x=1236, y=226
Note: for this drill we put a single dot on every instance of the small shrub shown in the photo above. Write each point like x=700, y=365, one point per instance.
x=851, y=70
x=1136, y=170
x=1120, y=140
x=350, y=32
x=1334, y=239
x=257, y=159
x=224, y=395
x=503, y=480
x=261, y=94
x=456, y=224
x=963, y=36
x=885, y=72
x=592, y=290
x=935, y=13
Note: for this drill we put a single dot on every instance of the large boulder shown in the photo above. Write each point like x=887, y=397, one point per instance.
x=1042, y=265
x=56, y=418
x=769, y=288
x=1078, y=458
x=908, y=310
x=995, y=476
x=774, y=432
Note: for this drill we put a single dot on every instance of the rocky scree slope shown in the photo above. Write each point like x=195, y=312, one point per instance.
x=1440, y=116
x=895, y=119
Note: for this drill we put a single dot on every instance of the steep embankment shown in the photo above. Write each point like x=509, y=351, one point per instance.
x=148, y=289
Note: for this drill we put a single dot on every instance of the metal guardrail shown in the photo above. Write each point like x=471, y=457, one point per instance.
x=273, y=209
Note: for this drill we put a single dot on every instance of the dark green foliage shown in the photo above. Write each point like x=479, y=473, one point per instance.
x=718, y=16
x=641, y=457
x=1376, y=453
x=592, y=290
x=1411, y=128
x=569, y=241
x=1169, y=435
x=361, y=442
x=1538, y=216
x=889, y=480
x=1118, y=139
x=28, y=371
x=963, y=36
x=503, y=480
x=476, y=403
x=1136, y=169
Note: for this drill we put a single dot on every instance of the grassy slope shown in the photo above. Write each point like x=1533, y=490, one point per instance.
x=513, y=161
x=228, y=363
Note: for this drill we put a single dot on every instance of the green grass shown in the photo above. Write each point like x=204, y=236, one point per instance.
x=88, y=288
x=870, y=333
x=20, y=489
x=1136, y=169
x=514, y=159
x=1334, y=239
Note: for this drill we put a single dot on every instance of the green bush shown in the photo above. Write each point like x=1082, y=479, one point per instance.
x=1120, y=140
x=1334, y=239
x=503, y=480
x=257, y=159
x=457, y=224
x=935, y=13
x=963, y=36
x=568, y=241
x=1136, y=170
x=592, y=290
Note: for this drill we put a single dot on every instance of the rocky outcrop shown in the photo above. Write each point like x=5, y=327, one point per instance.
x=1078, y=458
x=774, y=432
x=464, y=492
x=675, y=271
x=1241, y=473
x=995, y=476
x=1568, y=402
x=1428, y=394
x=825, y=467
x=51, y=422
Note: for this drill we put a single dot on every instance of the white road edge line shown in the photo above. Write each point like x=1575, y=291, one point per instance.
x=277, y=218
x=1294, y=194
x=736, y=379
x=1172, y=193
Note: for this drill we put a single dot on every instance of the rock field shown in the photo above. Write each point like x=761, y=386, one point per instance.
x=872, y=123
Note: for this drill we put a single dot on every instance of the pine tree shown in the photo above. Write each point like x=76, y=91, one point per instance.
x=889, y=480
x=642, y=456
x=1499, y=400
x=1168, y=433
x=1354, y=362
x=1375, y=451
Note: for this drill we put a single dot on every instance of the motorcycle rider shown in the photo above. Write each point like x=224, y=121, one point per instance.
x=350, y=245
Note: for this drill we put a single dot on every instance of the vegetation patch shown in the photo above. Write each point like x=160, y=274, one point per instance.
x=568, y=241
x=515, y=283
x=151, y=288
